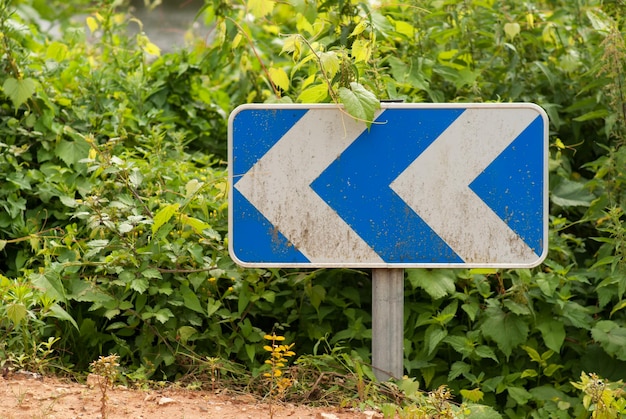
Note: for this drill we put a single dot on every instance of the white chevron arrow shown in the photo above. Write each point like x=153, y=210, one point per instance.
x=436, y=186
x=297, y=212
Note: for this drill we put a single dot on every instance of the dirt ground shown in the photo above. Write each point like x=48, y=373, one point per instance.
x=35, y=397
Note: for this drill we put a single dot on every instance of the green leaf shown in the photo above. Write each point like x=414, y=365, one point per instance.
x=3, y=243
x=314, y=94
x=59, y=312
x=612, y=337
x=213, y=306
x=111, y=313
x=578, y=315
x=621, y=305
x=428, y=373
x=163, y=216
x=359, y=102
x=447, y=314
x=506, y=329
x=547, y=282
x=599, y=20
x=308, y=9
x=243, y=299
x=483, y=271
x=553, y=333
x=191, y=299
x=330, y=63
x=461, y=345
x=269, y=296
x=409, y=385
x=511, y=30
x=546, y=393
x=185, y=333
x=15, y=205
x=197, y=225
x=457, y=369
x=405, y=28
x=18, y=179
x=550, y=76
x=163, y=315
x=50, y=283
x=474, y=395
x=124, y=228
x=147, y=46
x=250, y=351
x=316, y=294
x=532, y=353
x=192, y=187
x=433, y=336
x=279, y=78
x=292, y=45
x=568, y=193
x=260, y=8
x=140, y=285
x=72, y=152
x=551, y=369
x=516, y=307
x=472, y=308
x=381, y=23
x=361, y=50
x=16, y=312
x=479, y=411
x=135, y=178
x=519, y=394
x=485, y=351
x=437, y=283
x=597, y=114
x=19, y=91
x=528, y=372
x=359, y=28
x=97, y=244
x=197, y=279
x=57, y=51
x=151, y=273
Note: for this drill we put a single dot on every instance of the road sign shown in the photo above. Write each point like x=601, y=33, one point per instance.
x=428, y=185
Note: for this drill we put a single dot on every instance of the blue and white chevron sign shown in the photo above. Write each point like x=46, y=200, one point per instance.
x=428, y=185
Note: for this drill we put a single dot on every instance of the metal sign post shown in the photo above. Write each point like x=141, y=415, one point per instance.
x=425, y=186
x=387, y=323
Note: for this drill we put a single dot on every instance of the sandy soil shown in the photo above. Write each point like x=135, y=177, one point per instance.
x=34, y=397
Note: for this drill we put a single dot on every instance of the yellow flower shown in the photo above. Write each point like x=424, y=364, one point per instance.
x=273, y=337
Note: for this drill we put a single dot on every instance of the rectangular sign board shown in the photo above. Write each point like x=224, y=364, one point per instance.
x=427, y=185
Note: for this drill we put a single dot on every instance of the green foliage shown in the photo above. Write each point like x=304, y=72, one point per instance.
x=113, y=198
x=26, y=315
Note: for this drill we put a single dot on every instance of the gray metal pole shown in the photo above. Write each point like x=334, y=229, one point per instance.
x=387, y=322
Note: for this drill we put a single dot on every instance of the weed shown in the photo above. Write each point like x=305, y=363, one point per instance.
x=105, y=369
x=278, y=357
x=46, y=409
x=215, y=365
x=20, y=395
x=604, y=399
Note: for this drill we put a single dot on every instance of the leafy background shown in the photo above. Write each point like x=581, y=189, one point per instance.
x=113, y=188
